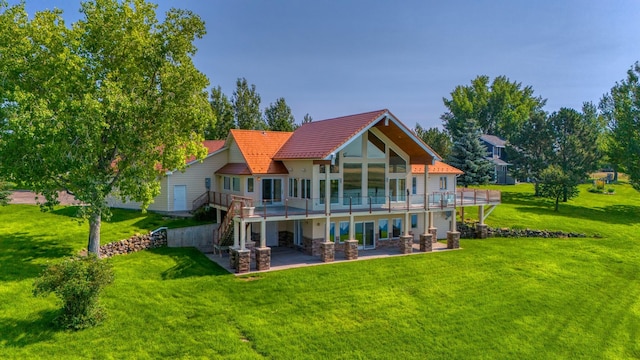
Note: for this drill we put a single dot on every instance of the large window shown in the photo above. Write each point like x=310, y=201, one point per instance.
x=305, y=189
x=383, y=229
x=397, y=188
x=352, y=184
x=397, y=227
x=236, y=184
x=333, y=188
x=354, y=149
x=396, y=163
x=414, y=221
x=375, y=183
x=375, y=147
x=293, y=187
x=344, y=231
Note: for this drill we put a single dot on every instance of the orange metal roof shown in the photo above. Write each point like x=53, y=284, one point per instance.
x=318, y=139
x=438, y=168
x=258, y=148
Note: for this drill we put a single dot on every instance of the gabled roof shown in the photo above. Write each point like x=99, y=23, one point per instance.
x=212, y=146
x=322, y=139
x=497, y=161
x=437, y=168
x=258, y=148
x=234, y=169
x=493, y=140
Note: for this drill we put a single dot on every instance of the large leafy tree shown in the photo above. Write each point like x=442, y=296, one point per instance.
x=105, y=105
x=575, y=145
x=621, y=107
x=469, y=155
x=278, y=116
x=438, y=140
x=223, y=116
x=500, y=108
x=246, y=106
x=5, y=194
x=555, y=184
x=530, y=150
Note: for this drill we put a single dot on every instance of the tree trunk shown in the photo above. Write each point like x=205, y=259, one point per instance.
x=94, y=233
x=557, y=201
x=536, y=188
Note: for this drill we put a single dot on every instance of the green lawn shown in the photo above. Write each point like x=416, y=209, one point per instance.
x=497, y=298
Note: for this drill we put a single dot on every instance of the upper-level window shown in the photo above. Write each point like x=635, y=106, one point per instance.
x=375, y=147
x=354, y=149
x=497, y=151
x=236, y=183
x=250, y=184
x=293, y=187
x=226, y=183
x=396, y=163
x=443, y=183
x=333, y=168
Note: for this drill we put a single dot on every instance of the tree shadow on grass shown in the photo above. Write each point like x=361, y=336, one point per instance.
x=20, y=333
x=612, y=214
x=190, y=262
x=20, y=250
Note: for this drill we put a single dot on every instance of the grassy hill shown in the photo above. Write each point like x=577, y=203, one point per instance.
x=497, y=298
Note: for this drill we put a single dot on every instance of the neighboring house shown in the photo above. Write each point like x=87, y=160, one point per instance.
x=354, y=181
x=497, y=155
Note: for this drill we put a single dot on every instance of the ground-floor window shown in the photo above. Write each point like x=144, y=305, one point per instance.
x=332, y=232
x=344, y=231
x=383, y=229
x=414, y=221
x=397, y=227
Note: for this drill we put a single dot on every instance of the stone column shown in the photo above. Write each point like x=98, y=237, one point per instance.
x=233, y=258
x=351, y=249
x=244, y=261
x=434, y=234
x=328, y=251
x=406, y=244
x=481, y=231
x=426, y=244
x=453, y=240
x=263, y=258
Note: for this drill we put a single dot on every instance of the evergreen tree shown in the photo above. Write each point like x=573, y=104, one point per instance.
x=307, y=118
x=438, y=140
x=469, y=155
x=223, y=113
x=246, y=106
x=278, y=116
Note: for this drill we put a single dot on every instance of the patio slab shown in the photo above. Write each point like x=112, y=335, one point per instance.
x=287, y=258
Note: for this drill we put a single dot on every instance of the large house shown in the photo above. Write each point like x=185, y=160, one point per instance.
x=351, y=183
x=498, y=156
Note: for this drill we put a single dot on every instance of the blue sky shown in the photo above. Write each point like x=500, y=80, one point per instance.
x=334, y=58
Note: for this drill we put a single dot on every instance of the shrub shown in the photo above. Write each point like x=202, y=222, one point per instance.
x=610, y=190
x=600, y=184
x=77, y=281
x=205, y=214
x=595, y=190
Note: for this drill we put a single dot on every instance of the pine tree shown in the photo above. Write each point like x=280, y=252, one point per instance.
x=469, y=155
x=246, y=105
x=278, y=116
x=307, y=118
x=223, y=113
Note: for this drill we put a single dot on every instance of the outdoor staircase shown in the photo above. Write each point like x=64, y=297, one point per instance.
x=223, y=239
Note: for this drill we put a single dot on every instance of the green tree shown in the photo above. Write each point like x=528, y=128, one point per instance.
x=223, y=116
x=278, y=116
x=307, y=118
x=621, y=108
x=575, y=143
x=246, y=106
x=4, y=193
x=530, y=150
x=555, y=184
x=78, y=282
x=103, y=106
x=469, y=155
x=438, y=140
x=500, y=108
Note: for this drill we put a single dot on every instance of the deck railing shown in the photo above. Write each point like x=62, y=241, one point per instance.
x=299, y=207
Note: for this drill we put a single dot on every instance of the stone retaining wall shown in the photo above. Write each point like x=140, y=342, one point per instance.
x=468, y=231
x=134, y=243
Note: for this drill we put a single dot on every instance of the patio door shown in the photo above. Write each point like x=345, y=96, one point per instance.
x=271, y=191
x=365, y=235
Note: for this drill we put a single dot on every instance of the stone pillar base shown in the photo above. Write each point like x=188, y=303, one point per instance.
x=327, y=251
x=351, y=249
x=481, y=231
x=263, y=258
x=426, y=244
x=233, y=258
x=243, y=261
x=453, y=240
x=406, y=244
x=434, y=233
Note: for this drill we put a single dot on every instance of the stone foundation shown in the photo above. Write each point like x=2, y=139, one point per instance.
x=406, y=244
x=351, y=249
x=434, y=232
x=327, y=251
x=453, y=240
x=481, y=231
x=243, y=261
x=285, y=239
x=426, y=242
x=263, y=258
x=389, y=243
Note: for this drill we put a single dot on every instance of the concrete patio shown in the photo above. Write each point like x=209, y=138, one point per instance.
x=287, y=258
